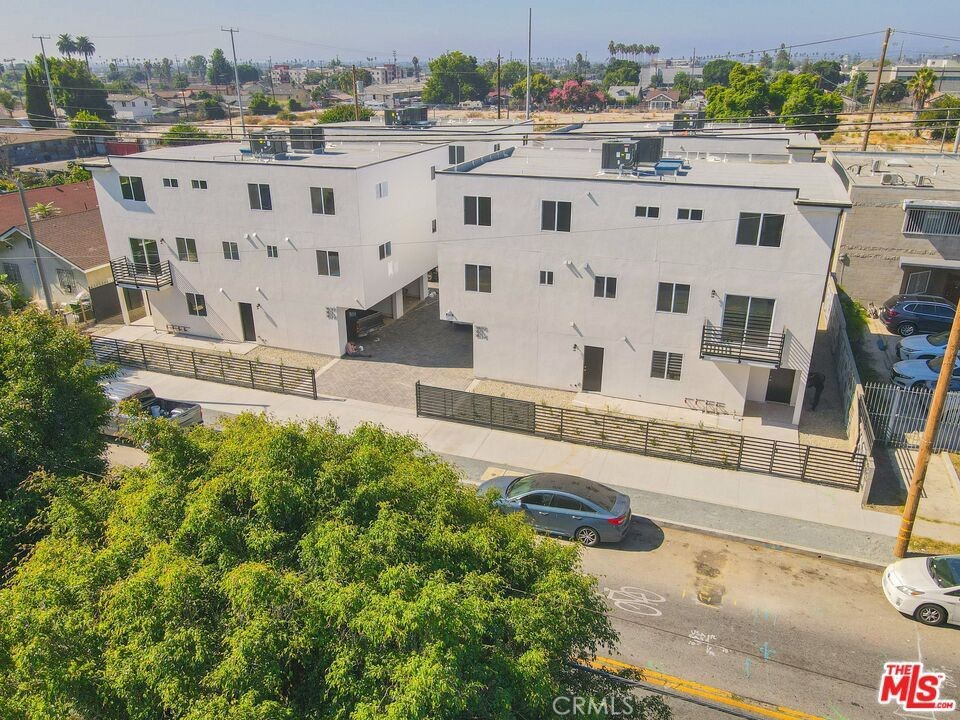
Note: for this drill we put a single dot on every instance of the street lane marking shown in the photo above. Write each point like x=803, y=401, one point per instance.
x=635, y=600
x=689, y=687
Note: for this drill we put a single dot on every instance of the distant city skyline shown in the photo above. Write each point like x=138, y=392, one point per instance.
x=291, y=29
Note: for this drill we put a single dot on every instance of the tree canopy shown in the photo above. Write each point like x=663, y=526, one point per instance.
x=717, y=72
x=893, y=91
x=185, y=134
x=455, y=77
x=74, y=88
x=219, y=69
x=540, y=88
x=942, y=115
x=621, y=72
x=248, y=72
x=686, y=84
x=277, y=572
x=36, y=99
x=745, y=96
x=260, y=104
x=342, y=113
x=86, y=123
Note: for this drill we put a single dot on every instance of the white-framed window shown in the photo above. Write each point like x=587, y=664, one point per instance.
x=322, y=201
x=455, y=154
x=272, y=251
x=691, y=214
x=200, y=185
x=927, y=221
x=673, y=297
x=196, y=305
x=131, y=188
x=171, y=183
x=546, y=277
x=328, y=263
x=761, y=229
x=555, y=215
x=917, y=282
x=476, y=210
x=12, y=271
x=646, y=211
x=383, y=189
x=385, y=250
x=666, y=365
x=187, y=250
x=496, y=147
x=605, y=287
x=259, y=196
x=477, y=278
x=231, y=251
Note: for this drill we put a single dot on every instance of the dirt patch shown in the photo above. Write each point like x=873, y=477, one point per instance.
x=708, y=566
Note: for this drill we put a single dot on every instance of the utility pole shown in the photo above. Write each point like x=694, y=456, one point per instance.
x=236, y=76
x=876, y=92
x=956, y=139
x=529, y=45
x=356, y=100
x=33, y=244
x=498, y=86
x=273, y=93
x=183, y=98
x=926, y=444
x=395, y=74
x=46, y=70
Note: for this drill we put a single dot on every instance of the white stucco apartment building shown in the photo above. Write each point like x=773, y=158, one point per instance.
x=281, y=249
x=693, y=286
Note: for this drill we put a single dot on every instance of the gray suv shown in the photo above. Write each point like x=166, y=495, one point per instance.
x=909, y=314
x=565, y=505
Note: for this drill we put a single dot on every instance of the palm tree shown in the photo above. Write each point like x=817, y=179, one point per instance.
x=921, y=87
x=66, y=44
x=84, y=46
x=416, y=67
x=612, y=47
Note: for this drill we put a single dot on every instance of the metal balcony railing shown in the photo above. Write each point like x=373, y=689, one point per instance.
x=736, y=344
x=139, y=275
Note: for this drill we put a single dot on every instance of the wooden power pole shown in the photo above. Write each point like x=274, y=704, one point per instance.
x=498, y=86
x=876, y=92
x=356, y=100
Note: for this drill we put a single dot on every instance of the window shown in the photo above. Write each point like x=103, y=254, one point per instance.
x=555, y=216
x=496, y=147
x=546, y=277
x=433, y=172
x=131, y=187
x=65, y=279
x=196, y=305
x=568, y=503
x=646, y=211
x=271, y=251
x=604, y=287
x=917, y=282
x=763, y=229
x=478, y=278
x=322, y=201
x=926, y=221
x=385, y=251
x=187, y=249
x=666, y=365
x=230, y=251
x=202, y=185
x=171, y=183
x=689, y=214
x=433, y=225
x=328, y=263
x=12, y=271
x=673, y=297
x=748, y=319
x=382, y=189
x=455, y=154
x=259, y=196
x=476, y=210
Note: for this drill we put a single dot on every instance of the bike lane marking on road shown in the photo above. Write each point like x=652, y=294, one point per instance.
x=707, y=692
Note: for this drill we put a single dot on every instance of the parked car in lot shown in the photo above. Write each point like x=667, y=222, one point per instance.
x=922, y=347
x=921, y=373
x=909, y=314
x=182, y=413
x=565, y=505
x=926, y=588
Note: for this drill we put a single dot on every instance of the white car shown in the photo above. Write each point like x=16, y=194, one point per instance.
x=922, y=347
x=920, y=373
x=926, y=588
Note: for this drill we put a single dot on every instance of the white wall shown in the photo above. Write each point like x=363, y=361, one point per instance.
x=19, y=253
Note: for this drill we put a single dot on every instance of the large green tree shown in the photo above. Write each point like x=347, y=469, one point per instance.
x=51, y=412
x=942, y=116
x=74, y=87
x=248, y=72
x=185, y=134
x=808, y=106
x=219, y=70
x=893, y=91
x=343, y=113
x=717, y=72
x=686, y=84
x=540, y=88
x=36, y=98
x=747, y=95
x=511, y=72
x=454, y=77
x=279, y=572
x=197, y=66
x=86, y=123
x=621, y=72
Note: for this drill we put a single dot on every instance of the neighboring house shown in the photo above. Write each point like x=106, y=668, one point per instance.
x=23, y=146
x=280, y=74
x=71, y=244
x=903, y=231
x=393, y=92
x=696, y=286
x=659, y=100
x=386, y=73
x=131, y=107
x=282, y=249
x=697, y=101
x=667, y=72
x=947, y=74
x=620, y=93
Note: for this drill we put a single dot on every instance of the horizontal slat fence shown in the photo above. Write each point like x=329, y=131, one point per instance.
x=206, y=366
x=713, y=448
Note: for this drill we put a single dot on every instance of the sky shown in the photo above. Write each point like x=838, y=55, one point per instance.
x=361, y=29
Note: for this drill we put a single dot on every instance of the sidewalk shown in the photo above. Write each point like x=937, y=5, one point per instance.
x=769, y=509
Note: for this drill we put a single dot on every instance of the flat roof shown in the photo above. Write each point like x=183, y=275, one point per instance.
x=942, y=170
x=815, y=183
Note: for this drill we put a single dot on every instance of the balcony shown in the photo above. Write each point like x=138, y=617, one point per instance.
x=142, y=276
x=741, y=346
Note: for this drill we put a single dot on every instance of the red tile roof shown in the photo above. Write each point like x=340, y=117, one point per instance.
x=78, y=238
x=74, y=198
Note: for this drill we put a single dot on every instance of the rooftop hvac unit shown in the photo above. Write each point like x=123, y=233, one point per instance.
x=268, y=142
x=922, y=181
x=649, y=150
x=891, y=179
x=689, y=120
x=307, y=139
x=876, y=166
x=412, y=115
x=627, y=154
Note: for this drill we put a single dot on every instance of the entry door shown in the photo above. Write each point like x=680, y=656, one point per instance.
x=748, y=319
x=246, y=321
x=780, y=385
x=146, y=254
x=592, y=368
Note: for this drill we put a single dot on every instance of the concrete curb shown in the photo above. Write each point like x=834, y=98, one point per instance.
x=772, y=544
x=951, y=470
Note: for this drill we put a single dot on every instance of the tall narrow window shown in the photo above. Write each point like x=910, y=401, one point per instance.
x=546, y=277
x=455, y=154
x=12, y=271
x=666, y=365
x=477, y=278
x=604, y=287
x=763, y=229
x=328, y=263
x=555, y=215
x=231, y=251
x=272, y=251
x=131, y=188
x=321, y=199
x=673, y=297
x=196, y=305
x=476, y=210
x=386, y=250
x=383, y=189
x=259, y=196
x=187, y=249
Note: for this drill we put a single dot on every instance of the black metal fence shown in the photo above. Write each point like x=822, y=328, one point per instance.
x=206, y=366
x=150, y=276
x=713, y=448
x=741, y=345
